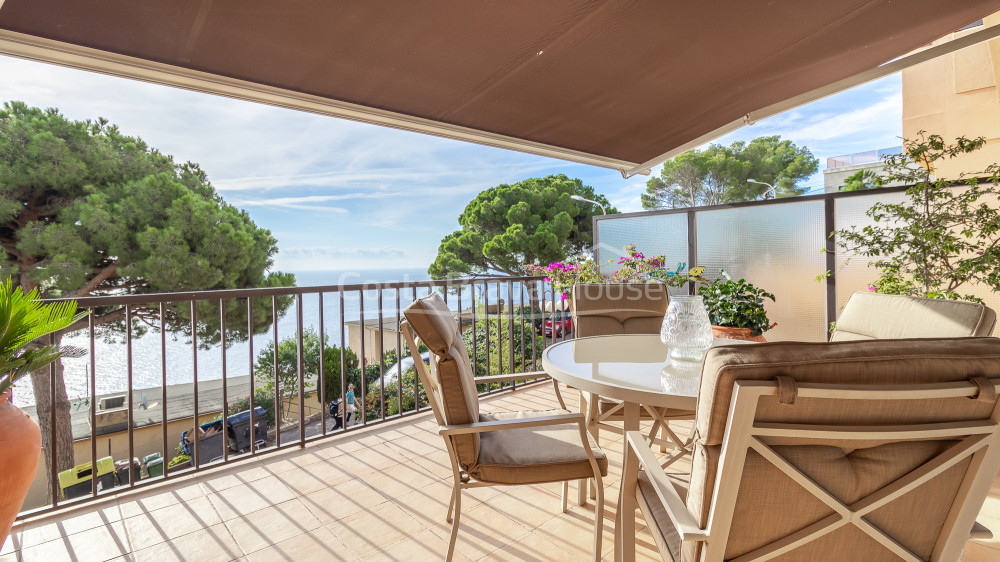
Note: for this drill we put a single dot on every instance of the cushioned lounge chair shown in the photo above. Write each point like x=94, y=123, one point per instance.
x=885, y=317
x=503, y=448
x=862, y=450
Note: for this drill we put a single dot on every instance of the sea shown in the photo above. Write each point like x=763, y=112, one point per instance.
x=111, y=357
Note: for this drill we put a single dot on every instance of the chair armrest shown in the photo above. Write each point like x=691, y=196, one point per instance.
x=684, y=523
x=482, y=427
x=512, y=377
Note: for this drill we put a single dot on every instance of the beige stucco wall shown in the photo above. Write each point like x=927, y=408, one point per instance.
x=956, y=95
x=354, y=332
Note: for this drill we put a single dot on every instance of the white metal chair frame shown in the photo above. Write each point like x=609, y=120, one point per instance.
x=462, y=479
x=978, y=439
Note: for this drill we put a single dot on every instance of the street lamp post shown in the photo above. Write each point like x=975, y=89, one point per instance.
x=578, y=198
x=770, y=190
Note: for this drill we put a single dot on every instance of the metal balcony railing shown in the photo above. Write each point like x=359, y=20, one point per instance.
x=502, y=319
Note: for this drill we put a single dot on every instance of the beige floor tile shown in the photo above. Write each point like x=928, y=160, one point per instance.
x=429, y=504
x=244, y=500
x=99, y=543
x=531, y=506
x=294, y=458
x=63, y=524
x=533, y=547
x=482, y=531
x=270, y=526
x=240, y=475
x=170, y=522
x=573, y=532
x=318, y=545
x=368, y=459
x=322, y=474
x=11, y=557
x=372, y=529
x=424, y=545
x=159, y=497
x=212, y=544
x=399, y=479
x=342, y=500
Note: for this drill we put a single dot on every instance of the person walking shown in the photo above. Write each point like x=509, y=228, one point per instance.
x=351, y=404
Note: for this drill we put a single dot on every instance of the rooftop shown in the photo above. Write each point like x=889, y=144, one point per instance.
x=376, y=494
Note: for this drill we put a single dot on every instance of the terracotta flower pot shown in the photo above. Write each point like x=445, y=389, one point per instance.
x=20, y=446
x=744, y=334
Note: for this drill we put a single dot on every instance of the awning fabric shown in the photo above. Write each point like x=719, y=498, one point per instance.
x=613, y=83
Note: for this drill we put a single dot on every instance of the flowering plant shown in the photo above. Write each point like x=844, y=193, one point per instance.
x=635, y=267
x=564, y=275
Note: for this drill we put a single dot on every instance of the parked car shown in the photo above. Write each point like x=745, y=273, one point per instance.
x=561, y=322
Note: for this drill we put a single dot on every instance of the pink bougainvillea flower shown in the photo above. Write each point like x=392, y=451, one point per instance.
x=872, y=288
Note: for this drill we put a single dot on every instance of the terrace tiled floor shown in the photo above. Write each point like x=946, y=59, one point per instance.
x=375, y=494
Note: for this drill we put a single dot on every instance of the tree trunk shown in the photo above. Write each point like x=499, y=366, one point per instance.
x=63, y=446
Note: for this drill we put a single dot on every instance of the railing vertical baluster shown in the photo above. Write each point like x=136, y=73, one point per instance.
x=278, y=414
x=53, y=465
x=486, y=316
x=225, y=390
x=475, y=330
x=399, y=360
x=301, y=370
x=363, y=387
x=343, y=359
x=534, y=346
x=163, y=385
x=322, y=367
x=253, y=404
x=416, y=377
x=381, y=358
x=520, y=294
x=500, y=313
x=195, y=461
x=510, y=327
x=131, y=404
x=93, y=408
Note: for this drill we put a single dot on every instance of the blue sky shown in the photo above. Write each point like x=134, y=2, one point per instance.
x=343, y=195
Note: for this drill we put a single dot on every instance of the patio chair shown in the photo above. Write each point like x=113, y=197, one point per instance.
x=622, y=308
x=886, y=317
x=864, y=450
x=495, y=449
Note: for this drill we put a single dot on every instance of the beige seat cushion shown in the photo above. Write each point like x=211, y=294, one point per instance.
x=437, y=327
x=661, y=528
x=618, y=308
x=872, y=316
x=534, y=455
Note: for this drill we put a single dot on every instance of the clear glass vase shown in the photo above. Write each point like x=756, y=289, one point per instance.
x=686, y=328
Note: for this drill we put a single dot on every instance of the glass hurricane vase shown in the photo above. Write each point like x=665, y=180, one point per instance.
x=686, y=328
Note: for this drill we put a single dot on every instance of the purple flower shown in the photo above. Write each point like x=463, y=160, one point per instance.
x=872, y=288
x=562, y=296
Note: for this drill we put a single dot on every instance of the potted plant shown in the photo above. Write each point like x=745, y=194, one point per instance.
x=23, y=319
x=736, y=308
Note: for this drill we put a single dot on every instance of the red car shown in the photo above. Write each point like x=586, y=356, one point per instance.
x=563, y=322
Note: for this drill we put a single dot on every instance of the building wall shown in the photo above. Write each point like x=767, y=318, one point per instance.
x=833, y=178
x=956, y=95
x=354, y=332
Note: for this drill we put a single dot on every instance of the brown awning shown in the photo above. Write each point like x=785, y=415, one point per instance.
x=612, y=83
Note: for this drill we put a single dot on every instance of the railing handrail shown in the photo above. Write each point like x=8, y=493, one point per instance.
x=214, y=294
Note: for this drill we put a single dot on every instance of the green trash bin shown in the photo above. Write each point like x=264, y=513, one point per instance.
x=153, y=464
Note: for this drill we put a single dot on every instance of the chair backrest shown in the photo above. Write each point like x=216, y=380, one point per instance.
x=450, y=384
x=887, y=317
x=618, y=308
x=867, y=450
